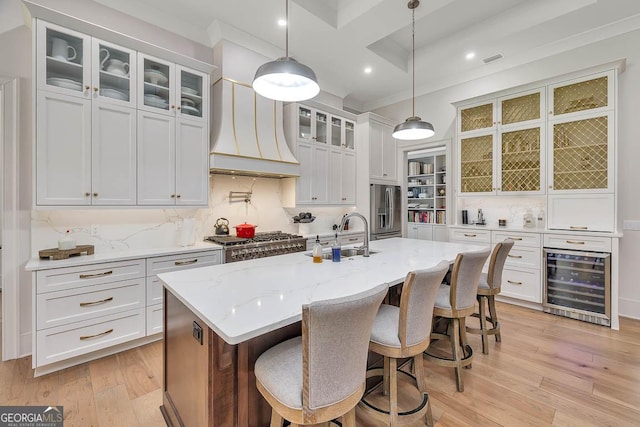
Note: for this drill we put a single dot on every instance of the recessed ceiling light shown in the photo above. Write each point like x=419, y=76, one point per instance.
x=282, y=22
x=368, y=70
x=470, y=55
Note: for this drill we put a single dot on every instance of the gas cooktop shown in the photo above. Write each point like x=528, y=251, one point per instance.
x=260, y=246
x=265, y=237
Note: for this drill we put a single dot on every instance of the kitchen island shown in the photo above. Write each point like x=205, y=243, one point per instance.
x=219, y=319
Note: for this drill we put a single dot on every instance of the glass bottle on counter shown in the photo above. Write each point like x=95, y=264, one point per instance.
x=317, y=251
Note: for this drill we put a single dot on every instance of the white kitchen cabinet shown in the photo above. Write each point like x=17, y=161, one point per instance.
x=521, y=277
x=376, y=132
x=72, y=63
x=342, y=181
x=63, y=150
x=420, y=231
x=323, y=142
x=172, y=161
x=501, y=145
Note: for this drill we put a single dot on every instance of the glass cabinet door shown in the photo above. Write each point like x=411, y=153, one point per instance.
x=336, y=131
x=520, y=160
x=63, y=60
x=114, y=70
x=476, y=164
x=321, y=127
x=157, y=85
x=349, y=135
x=476, y=117
x=192, y=95
x=304, y=123
x=585, y=95
x=520, y=109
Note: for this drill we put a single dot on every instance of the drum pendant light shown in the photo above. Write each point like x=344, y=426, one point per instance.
x=413, y=128
x=285, y=79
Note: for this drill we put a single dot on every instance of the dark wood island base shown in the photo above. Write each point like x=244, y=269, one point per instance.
x=208, y=382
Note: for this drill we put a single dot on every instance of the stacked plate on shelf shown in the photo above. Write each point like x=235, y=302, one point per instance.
x=64, y=83
x=155, y=101
x=189, y=105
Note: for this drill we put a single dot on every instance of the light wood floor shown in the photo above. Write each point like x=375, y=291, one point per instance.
x=547, y=371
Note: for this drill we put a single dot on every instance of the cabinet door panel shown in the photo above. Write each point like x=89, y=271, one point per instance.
x=305, y=157
x=348, y=178
x=588, y=212
x=192, y=163
x=335, y=177
x=476, y=164
x=375, y=149
x=320, y=183
x=113, y=155
x=389, y=154
x=63, y=150
x=156, y=159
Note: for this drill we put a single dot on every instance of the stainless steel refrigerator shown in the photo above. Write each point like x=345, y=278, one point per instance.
x=386, y=220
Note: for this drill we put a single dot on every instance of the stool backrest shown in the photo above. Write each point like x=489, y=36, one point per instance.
x=496, y=263
x=335, y=343
x=465, y=278
x=416, y=304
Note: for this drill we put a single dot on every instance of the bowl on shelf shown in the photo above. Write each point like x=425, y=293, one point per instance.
x=155, y=77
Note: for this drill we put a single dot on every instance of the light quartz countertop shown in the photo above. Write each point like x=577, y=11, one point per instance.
x=243, y=300
x=35, y=263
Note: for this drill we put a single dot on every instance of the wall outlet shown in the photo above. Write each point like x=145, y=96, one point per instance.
x=94, y=229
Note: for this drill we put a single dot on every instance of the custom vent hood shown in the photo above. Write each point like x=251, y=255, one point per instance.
x=247, y=136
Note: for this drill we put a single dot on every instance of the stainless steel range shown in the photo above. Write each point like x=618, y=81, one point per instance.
x=260, y=246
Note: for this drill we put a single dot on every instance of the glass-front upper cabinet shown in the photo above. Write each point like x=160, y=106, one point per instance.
x=114, y=71
x=157, y=78
x=63, y=60
x=349, y=135
x=193, y=96
x=593, y=94
x=477, y=117
x=336, y=131
x=313, y=125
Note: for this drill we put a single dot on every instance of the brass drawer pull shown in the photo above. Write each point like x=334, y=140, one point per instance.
x=574, y=242
x=515, y=238
x=90, y=276
x=514, y=283
x=88, y=304
x=515, y=256
x=353, y=239
x=470, y=235
x=88, y=337
x=575, y=227
x=192, y=261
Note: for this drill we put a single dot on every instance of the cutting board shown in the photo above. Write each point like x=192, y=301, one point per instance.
x=56, y=253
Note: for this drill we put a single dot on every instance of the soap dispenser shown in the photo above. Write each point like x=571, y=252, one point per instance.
x=317, y=251
x=335, y=250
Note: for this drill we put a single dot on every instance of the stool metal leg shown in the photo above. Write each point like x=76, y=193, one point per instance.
x=491, y=301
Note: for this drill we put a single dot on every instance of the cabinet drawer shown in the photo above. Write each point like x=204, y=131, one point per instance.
x=521, y=284
x=520, y=239
x=154, y=319
x=168, y=263
x=74, y=305
x=154, y=290
x=63, y=342
x=470, y=236
x=578, y=243
x=523, y=257
x=88, y=275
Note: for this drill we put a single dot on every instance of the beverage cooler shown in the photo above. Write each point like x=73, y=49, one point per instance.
x=578, y=285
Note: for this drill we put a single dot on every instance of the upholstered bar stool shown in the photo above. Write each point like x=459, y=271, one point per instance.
x=321, y=375
x=454, y=302
x=404, y=332
x=488, y=288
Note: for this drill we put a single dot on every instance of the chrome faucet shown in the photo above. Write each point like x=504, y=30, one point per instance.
x=365, y=245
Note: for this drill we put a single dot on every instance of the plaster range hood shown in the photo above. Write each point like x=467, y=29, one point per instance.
x=247, y=135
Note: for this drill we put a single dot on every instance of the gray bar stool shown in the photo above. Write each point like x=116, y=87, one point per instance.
x=321, y=375
x=488, y=288
x=404, y=332
x=454, y=302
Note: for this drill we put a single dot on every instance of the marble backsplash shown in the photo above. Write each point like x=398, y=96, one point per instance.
x=495, y=207
x=143, y=228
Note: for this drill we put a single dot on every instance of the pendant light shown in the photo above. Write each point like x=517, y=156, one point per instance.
x=413, y=128
x=285, y=79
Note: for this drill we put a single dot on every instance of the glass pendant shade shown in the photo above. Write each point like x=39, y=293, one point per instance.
x=285, y=79
x=413, y=128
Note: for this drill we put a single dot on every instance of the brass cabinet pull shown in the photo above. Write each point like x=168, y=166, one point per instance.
x=88, y=337
x=89, y=276
x=574, y=242
x=87, y=194
x=191, y=261
x=178, y=108
x=89, y=304
x=353, y=239
x=178, y=196
x=514, y=283
x=95, y=89
x=95, y=194
x=515, y=238
x=87, y=87
x=470, y=235
x=173, y=196
x=515, y=256
x=575, y=227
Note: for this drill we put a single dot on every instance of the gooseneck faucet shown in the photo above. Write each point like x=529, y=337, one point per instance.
x=365, y=245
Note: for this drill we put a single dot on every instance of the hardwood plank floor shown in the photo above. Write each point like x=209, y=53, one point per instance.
x=547, y=371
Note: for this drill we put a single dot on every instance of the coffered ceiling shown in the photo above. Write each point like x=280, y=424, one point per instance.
x=339, y=38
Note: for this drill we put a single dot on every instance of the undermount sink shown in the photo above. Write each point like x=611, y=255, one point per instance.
x=344, y=253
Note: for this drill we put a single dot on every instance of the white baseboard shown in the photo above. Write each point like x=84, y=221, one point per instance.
x=629, y=308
